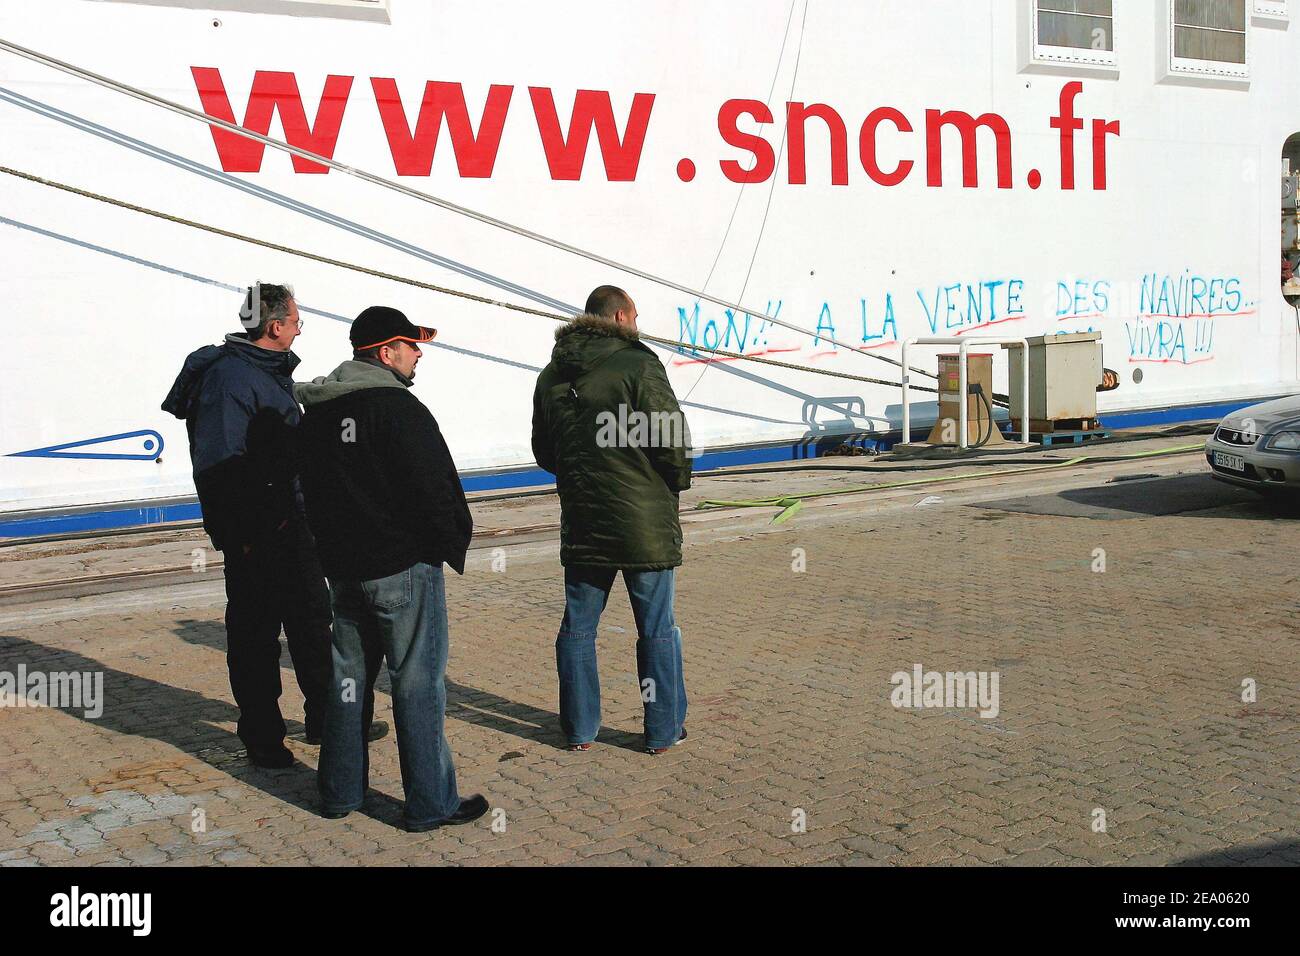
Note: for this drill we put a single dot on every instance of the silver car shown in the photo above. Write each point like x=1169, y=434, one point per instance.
x=1259, y=446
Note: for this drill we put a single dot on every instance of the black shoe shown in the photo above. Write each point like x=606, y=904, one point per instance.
x=470, y=810
x=334, y=814
x=378, y=731
x=271, y=758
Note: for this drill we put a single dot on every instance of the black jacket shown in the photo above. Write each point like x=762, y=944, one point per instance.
x=237, y=403
x=381, y=489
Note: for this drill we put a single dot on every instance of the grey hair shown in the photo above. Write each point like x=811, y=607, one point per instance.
x=263, y=304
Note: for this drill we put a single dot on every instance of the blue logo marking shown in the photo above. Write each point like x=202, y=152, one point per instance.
x=152, y=447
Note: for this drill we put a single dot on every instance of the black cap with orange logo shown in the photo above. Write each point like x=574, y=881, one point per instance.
x=379, y=325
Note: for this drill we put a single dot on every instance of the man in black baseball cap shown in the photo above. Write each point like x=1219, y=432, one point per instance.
x=386, y=504
x=379, y=325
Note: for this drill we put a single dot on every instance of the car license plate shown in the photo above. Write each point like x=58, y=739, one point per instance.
x=1232, y=462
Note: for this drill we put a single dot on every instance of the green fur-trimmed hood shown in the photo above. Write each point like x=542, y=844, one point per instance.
x=588, y=340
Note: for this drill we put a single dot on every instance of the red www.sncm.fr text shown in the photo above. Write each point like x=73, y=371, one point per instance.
x=476, y=149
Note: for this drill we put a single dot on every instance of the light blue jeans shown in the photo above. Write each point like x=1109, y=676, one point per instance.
x=402, y=617
x=658, y=653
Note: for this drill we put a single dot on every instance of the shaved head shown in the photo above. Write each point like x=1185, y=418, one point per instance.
x=608, y=300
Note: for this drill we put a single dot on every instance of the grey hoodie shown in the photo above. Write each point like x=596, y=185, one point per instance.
x=352, y=376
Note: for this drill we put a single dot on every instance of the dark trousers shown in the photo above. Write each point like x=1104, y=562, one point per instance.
x=279, y=583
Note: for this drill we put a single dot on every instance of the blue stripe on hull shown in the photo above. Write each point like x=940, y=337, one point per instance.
x=144, y=515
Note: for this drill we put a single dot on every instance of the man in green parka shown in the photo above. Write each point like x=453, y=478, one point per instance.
x=607, y=424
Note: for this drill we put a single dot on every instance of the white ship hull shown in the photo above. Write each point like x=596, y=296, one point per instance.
x=1167, y=243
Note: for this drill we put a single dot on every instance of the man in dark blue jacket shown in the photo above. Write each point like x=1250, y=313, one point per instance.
x=237, y=403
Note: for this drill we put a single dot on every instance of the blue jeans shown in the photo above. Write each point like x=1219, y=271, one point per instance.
x=402, y=617
x=658, y=653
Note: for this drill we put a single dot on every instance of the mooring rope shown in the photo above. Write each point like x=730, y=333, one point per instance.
x=683, y=347
x=441, y=203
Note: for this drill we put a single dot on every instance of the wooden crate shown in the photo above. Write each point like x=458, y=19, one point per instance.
x=1040, y=426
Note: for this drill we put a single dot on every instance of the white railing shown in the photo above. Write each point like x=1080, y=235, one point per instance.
x=963, y=343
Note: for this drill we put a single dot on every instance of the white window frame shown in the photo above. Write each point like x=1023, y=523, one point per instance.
x=1069, y=54
x=1269, y=10
x=1178, y=66
x=1038, y=57
x=376, y=10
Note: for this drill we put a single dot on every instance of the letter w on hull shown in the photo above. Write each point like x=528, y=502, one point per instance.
x=271, y=92
x=476, y=154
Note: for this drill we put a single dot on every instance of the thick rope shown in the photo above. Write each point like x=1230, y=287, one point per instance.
x=445, y=204
x=405, y=280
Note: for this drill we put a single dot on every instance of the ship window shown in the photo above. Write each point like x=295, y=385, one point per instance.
x=1209, y=38
x=1071, y=37
x=1081, y=31
x=342, y=9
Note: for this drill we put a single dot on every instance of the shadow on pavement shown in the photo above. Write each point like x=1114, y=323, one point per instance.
x=1196, y=495
x=212, y=634
x=468, y=704
x=1279, y=853
x=184, y=719
x=522, y=720
x=187, y=721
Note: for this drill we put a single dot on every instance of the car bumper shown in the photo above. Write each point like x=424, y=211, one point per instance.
x=1265, y=470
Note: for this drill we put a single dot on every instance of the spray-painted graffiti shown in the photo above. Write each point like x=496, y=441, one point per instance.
x=1192, y=296
x=1168, y=318
x=1082, y=299
x=1177, y=314
x=743, y=334
x=870, y=325
x=965, y=307
x=878, y=326
x=1181, y=341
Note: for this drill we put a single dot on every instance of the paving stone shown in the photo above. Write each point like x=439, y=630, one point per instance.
x=1118, y=691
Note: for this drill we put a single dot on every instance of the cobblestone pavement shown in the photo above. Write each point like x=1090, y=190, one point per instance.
x=1120, y=703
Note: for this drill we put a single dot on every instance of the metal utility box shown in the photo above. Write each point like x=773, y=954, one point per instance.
x=1064, y=372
